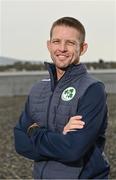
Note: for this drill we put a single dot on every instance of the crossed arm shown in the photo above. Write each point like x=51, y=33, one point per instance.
x=44, y=144
x=73, y=124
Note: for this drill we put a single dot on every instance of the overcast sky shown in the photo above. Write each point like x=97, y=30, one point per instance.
x=25, y=26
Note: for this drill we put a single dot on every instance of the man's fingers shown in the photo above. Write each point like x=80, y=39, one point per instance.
x=77, y=117
x=79, y=126
x=72, y=127
x=65, y=132
x=75, y=122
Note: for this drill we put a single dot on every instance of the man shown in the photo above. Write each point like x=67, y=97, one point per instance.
x=63, y=125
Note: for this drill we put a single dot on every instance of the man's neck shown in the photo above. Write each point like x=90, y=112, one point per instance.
x=60, y=73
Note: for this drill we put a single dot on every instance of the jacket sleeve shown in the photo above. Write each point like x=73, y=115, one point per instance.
x=73, y=146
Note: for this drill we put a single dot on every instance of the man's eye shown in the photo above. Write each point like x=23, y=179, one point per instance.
x=71, y=43
x=55, y=41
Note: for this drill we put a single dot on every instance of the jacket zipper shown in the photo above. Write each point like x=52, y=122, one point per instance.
x=41, y=176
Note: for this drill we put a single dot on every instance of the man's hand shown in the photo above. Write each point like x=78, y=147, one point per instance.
x=74, y=123
x=32, y=128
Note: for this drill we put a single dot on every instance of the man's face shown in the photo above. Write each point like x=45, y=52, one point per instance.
x=64, y=46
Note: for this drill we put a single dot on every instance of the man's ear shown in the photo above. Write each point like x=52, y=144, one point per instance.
x=84, y=48
x=48, y=45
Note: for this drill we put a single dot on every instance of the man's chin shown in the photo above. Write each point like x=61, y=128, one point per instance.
x=63, y=68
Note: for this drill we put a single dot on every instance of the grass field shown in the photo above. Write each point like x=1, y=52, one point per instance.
x=13, y=166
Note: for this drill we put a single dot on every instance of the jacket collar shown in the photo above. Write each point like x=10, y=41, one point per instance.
x=73, y=71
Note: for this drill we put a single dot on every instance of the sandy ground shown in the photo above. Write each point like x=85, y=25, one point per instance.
x=13, y=166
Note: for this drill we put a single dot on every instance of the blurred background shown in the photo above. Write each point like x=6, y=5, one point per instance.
x=24, y=30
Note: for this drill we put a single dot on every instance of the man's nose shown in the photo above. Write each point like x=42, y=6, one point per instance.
x=63, y=46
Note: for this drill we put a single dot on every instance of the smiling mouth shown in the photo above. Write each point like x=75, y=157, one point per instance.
x=62, y=56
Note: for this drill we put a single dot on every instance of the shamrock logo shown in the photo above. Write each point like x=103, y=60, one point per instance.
x=68, y=94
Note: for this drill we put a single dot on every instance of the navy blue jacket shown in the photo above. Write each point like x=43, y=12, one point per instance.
x=78, y=154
